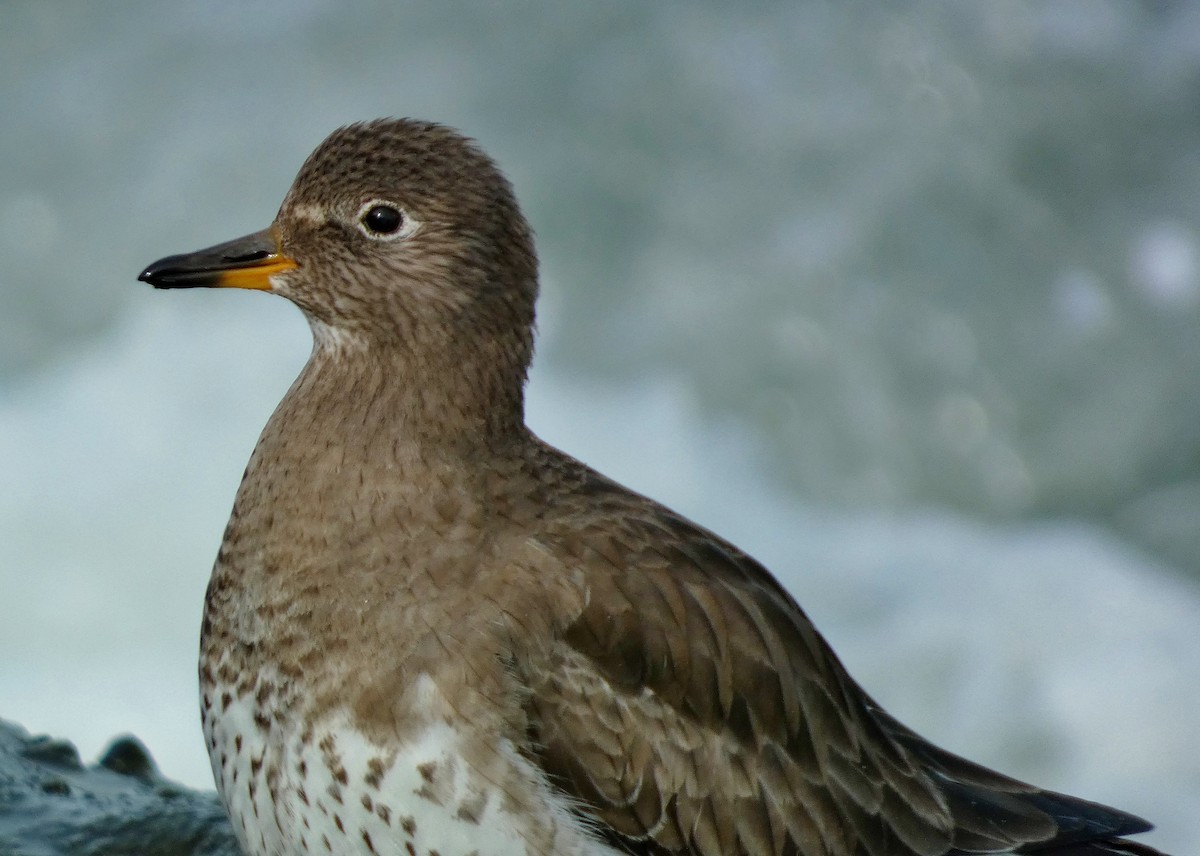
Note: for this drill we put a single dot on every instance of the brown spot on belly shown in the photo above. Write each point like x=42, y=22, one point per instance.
x=366, y=837
x=471, y=809
x=439, y=785
x=374, y=772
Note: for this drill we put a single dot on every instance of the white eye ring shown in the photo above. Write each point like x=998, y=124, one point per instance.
x=381, y=220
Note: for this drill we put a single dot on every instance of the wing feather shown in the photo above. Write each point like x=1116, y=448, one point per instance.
x=690, y=707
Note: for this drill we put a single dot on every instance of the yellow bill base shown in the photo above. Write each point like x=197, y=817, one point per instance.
x=257, y=276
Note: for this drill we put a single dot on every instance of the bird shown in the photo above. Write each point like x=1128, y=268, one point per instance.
x=429, y=633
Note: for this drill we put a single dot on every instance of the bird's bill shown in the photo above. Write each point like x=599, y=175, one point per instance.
x=247, y=262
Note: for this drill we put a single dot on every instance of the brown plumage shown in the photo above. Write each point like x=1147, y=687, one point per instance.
x=427, y=632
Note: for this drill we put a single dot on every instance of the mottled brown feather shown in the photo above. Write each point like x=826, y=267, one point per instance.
x=398, y=520
x=710, y=664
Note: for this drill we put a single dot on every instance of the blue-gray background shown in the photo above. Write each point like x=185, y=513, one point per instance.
x=904, y=298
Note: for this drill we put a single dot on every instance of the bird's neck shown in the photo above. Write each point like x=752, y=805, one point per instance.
x=359, y=438
x=388, y=401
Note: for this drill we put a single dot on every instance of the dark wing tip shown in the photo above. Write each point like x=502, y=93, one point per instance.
x=1081, y=820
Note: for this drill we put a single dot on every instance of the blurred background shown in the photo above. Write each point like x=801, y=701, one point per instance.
x=903, y=301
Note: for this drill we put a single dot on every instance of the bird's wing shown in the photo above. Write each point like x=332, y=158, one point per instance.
x=691, y=707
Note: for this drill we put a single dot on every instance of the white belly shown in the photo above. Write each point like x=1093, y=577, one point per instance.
x=339, y=792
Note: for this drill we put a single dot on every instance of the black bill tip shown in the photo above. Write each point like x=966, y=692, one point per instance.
x=175, y=272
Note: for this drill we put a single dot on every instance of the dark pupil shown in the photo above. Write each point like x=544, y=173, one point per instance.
x=383, y=219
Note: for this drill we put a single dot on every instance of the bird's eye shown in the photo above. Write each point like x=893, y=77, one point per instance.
x=382, y=219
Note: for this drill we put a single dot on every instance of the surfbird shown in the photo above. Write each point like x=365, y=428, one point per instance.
x=428, y=633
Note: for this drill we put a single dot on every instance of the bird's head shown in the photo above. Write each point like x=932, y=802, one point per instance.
x=396, y=233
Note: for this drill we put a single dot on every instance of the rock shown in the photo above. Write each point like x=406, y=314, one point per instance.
x=51, y=804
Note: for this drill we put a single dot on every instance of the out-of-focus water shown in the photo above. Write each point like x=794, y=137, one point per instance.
x=904, y=304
